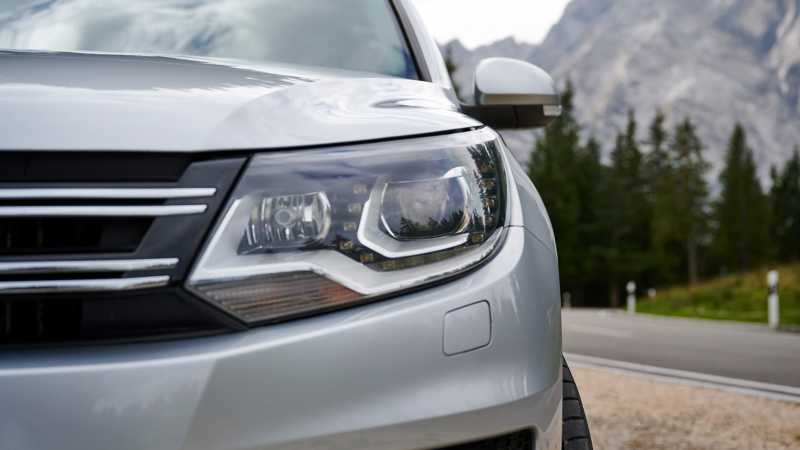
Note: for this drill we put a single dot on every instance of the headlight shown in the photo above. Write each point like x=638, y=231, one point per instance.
x=313, y=230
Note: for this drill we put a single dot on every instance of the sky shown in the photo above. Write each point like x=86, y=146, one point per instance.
x=481, y=22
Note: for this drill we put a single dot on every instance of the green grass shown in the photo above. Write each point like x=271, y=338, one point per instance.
x=740, y=297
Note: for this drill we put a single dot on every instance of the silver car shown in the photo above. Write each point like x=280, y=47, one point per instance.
x=253, y=224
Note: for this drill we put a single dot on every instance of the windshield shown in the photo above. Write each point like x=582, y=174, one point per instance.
x=358, y=35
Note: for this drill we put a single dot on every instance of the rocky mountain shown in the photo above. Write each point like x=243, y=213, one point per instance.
x=715, y=61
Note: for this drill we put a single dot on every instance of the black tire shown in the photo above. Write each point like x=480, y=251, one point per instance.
x=575, y=429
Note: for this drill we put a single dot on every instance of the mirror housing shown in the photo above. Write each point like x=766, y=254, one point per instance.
x=513, y=95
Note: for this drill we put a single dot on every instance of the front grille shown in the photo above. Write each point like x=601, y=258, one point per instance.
x=41, y=236
x=520, y=440
x=86, y=220
x=81, y=261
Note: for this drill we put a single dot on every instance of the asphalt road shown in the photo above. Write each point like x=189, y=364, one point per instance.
x=742, y=351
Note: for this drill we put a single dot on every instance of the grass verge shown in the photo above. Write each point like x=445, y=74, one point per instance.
x=739, y=297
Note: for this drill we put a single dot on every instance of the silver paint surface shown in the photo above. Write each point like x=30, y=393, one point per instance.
x=467, y=328
x=506, y=81
x=89, y=101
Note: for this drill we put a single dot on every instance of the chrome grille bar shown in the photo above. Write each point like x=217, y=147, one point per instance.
x=121, y=265
x=101, y=211
x=62, y=286
x=105, y=193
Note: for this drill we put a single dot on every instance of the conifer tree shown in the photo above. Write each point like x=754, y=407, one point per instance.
x=591, y=273
x=741, y=211
x=656, y=168
x=679, y=207
x=552, y=169
x=628, y=212
x=656, y=160
x=785, y=209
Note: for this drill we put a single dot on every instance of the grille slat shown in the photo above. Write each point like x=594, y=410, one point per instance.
x=121, y=265
x=106, y=193
x=102, y=211
x=65, y=286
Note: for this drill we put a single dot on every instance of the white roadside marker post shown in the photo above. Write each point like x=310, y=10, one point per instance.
x=567, y=298
x=772, y=302
x=631, y=297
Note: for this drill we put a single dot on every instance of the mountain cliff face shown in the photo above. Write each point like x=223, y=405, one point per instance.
x=715, y=61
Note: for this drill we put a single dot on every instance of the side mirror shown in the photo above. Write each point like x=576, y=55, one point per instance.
x=513, y=95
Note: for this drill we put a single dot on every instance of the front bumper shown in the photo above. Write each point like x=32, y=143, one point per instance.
x=374, y=376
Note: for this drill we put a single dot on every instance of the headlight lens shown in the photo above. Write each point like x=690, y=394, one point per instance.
x=307, y=231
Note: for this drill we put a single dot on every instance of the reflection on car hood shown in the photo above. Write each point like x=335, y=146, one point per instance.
x=87, y=101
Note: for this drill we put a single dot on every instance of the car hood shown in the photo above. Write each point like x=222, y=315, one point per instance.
x=89, y=101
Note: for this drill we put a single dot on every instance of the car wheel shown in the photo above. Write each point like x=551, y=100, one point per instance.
x=575, y=428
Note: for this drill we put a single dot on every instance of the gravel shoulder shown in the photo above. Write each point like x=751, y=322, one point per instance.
x=629, y=412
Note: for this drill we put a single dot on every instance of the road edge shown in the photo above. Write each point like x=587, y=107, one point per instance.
x=731, y=324
x=765, y=390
